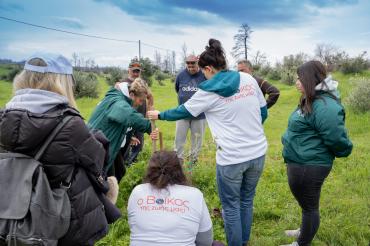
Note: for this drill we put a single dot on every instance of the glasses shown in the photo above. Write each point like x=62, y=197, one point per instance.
x=190, y=63
x=136, y=71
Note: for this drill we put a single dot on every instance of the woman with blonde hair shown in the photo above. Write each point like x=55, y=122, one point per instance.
x=43, y=98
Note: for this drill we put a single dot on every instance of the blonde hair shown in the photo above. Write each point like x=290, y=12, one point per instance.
x=61, y=84
x=139, y=88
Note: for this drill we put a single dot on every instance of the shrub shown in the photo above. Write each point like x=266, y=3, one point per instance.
x=264, y=70
x=114, y=75
x=288, y=76
x=359, y=98
x=160, y=76
x=274, y=74
x=86, y=85
x=290, y=65
x=355, y=65
x=12, y=73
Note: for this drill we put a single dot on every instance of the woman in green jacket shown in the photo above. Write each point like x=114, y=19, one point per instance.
x=315, y=136
x=116, y=117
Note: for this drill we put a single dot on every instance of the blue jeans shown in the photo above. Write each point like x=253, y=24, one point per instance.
x=236, y=188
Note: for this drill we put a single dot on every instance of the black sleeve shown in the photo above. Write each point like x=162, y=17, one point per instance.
x=272, y=92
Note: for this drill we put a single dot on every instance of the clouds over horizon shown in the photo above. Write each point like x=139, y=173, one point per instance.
x=279, y=27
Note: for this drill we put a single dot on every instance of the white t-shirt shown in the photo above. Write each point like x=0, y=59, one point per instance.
x=235, y=121
x=171, y=216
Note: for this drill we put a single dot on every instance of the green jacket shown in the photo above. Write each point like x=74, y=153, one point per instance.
x=114, y=116
x=319, y=137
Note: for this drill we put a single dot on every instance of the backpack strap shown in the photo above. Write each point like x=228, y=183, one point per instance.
x=52, y=136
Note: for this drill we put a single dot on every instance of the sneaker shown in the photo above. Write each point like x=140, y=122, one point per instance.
x=293, y=233
x=292, y=244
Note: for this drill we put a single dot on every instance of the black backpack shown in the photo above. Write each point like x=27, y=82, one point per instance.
x=31, y=213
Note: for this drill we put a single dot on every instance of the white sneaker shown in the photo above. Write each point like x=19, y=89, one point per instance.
x=293, y=233
x=292, y=244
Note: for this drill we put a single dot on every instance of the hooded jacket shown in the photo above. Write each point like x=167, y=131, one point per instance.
x=114, y=116
x=319, y=137
x=26, y=122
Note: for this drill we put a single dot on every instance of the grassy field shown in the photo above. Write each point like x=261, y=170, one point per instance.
x=345, y=203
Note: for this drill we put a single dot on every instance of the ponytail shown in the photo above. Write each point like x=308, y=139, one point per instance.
x=214, y=56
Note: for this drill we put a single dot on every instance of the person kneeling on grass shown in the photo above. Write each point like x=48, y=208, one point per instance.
x=165, y=210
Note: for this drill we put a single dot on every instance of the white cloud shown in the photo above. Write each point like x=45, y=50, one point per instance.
x=101, y=19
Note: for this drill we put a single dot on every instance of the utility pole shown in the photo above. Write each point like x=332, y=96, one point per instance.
x=139, y=50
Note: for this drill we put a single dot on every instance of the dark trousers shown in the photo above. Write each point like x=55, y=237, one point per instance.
x=305, y=182
x=118, y=169
x=135, y=150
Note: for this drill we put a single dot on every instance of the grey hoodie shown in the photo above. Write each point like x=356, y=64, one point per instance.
x=35, y=100
x=329, y=85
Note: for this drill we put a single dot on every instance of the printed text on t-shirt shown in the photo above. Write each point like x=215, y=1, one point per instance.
x=167, y=204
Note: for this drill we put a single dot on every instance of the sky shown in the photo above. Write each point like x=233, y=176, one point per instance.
x=280, y=27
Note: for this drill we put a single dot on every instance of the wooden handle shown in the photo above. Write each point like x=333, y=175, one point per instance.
x=160, y=141
x=154, y=142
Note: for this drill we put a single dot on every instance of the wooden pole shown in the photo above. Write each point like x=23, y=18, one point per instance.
x=160, y=141
x=154, y=142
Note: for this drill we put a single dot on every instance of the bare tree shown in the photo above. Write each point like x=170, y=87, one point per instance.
x=173, y=62
x=75, y=58
x=167, y=62
x=184, y=50
x=157, y=59
x=241, y=42
x=326, y=53
x=259, y=59
x=92, y=63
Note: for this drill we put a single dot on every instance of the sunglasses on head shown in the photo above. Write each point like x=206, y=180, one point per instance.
x=190, y=63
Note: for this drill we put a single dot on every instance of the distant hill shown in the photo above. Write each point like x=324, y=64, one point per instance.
x=9, y=61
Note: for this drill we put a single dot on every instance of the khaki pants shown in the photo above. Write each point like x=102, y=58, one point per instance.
x=197, y=128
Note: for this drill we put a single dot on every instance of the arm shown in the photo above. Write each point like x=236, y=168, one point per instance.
x=200, y=102
x=264, y=113
x=272, y=92
x=204, y=238
x=205, y=234
x=174, y=114
x=329, y=123
x=90, y=153
x=177, y=84
x=262, y=103
x=138, y=122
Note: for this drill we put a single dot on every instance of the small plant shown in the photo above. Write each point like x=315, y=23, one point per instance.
x=359, y=98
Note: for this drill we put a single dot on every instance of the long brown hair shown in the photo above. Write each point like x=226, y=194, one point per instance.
x=310, y=74
x=165, y=169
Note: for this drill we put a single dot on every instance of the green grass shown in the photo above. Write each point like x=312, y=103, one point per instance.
x=345, y=200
